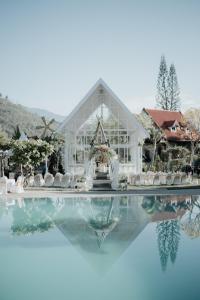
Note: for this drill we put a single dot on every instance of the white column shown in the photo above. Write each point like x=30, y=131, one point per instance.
x=133, y=150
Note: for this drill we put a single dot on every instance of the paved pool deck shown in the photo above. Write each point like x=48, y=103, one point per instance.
x=142, y=190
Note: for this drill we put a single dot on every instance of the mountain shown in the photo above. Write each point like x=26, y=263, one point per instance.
x=47, y=114
x=12, y=115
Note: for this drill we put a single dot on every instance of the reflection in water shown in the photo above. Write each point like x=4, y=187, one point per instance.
x=102, y=219
x=168, y=235
x=167, y=211
x=190, y=223
x=35, y=215
x=102, y=228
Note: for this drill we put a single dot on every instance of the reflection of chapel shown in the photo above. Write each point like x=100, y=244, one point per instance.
x=121, y=128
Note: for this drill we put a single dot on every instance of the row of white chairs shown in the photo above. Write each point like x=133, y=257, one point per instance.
x=161, y=179
x=11, y=186
x=67, y=180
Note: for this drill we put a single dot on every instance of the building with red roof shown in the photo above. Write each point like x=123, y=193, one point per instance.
x=172, y=124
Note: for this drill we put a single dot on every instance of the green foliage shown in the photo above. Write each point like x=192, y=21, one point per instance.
x=178, y=152
x=155, y=135
x=176, y=164
x=34, y=216
x=159, y=165
x=192, y=116
x=55, y=159
x=17, y=133
x=3, y=139
x=30, y=153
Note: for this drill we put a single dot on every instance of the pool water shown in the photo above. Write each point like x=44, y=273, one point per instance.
x=94, y=248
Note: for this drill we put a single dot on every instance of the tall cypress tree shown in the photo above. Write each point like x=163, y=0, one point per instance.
x=173, y=89
x=162, y=98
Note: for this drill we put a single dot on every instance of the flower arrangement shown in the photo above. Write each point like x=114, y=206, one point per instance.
x=102, y=154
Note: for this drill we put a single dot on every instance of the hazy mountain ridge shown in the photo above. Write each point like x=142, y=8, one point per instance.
x=12, y=115
x=46, y=113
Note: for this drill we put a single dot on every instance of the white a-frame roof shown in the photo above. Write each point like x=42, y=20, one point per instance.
x=99, y=94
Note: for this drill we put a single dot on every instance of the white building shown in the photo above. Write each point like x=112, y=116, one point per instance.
x=124, y=132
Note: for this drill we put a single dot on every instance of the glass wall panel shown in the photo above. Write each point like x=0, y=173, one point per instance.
x=116, y=134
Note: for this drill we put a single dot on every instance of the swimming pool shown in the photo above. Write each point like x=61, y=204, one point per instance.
x=110, y=247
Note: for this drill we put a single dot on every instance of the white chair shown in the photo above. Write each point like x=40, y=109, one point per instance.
x=184, y=179
x=156, y=180
x=162, y=179
x=38, y=180
x=18, y=187
x=195, y=181
x=132, y=179
x=66, y=180
x=10, y=184
x=3, y=185
x=151, y=178
x=169, y=179
x=58, y=180
x=142, y=179
x=30, y=181
x=145, y=179
x=137, y=180
x=177, y=179
x=48, y=179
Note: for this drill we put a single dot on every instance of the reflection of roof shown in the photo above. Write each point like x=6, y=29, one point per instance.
x=167, y=207
x=102, y=233
x=165, y=119
x=119, y=235
x=177, y=198
x=166, y=215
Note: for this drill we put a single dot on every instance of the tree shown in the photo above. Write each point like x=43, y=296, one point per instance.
x=17, y=133
x=30, y=153
x=3, y=138
x=167, y=87
x=55, y=159
x=155, y=133
x=46, y=126
x=176, y=157
x=192, y=119
x=162, y=98
x=192, y=115
x=173, y=89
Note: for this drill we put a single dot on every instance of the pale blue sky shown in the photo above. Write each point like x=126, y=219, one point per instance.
x=53, y=51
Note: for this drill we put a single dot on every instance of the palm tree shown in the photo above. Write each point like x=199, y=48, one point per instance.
x=46, y=127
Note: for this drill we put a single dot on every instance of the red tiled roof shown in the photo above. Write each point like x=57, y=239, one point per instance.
x=161, y=116
x=167, y=124
x=164, y=119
